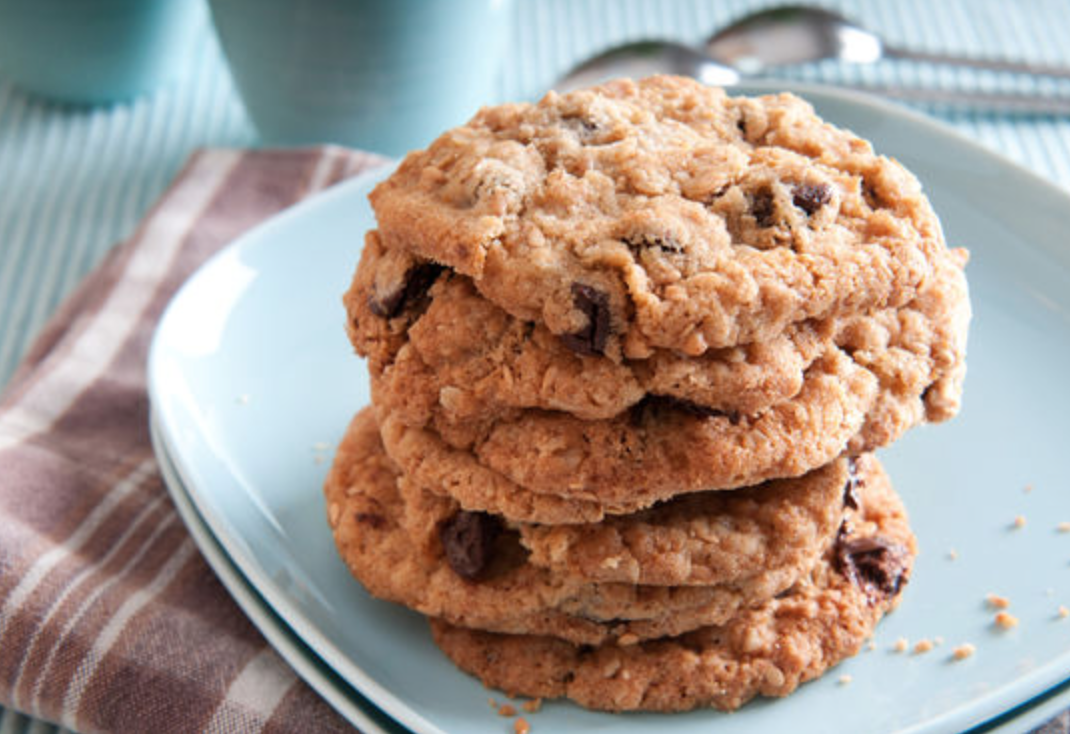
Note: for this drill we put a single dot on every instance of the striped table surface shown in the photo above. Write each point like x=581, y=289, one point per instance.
x=74, y=181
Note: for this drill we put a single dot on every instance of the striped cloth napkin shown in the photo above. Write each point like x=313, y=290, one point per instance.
x=109, y=618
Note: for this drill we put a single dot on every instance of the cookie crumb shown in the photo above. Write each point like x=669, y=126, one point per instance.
x=952, y=554
x=938, y=640
x=845, y=679
x=532, y=706
x=1027, y=488
x=492, y=703
x=872, y=645
x=506, y=710
x=321, y=446
x=1019, y=522
x=1006, y=621
x=1063, y=527
x=901, y=645
x=521, y=726
x=963, y=651
x=1063, y=612
x=319, y=458
x=923, y=646
x=997, y=602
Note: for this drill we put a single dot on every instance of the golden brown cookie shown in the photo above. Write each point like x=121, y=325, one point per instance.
x=765, y=650
x=654, y=452
x=409, y=546
x=705, y=537
x=874, y=376
x=451, y=351
x=660, y=213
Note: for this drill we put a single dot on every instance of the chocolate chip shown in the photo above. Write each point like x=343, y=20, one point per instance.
x=387, y=305
x=468, y=538
x=875, y=564
x=594, y=304
x=811, y=197
x=371, y=519
x=652, y=404
x=741, y=124
x=851, y=497
x=418, y=280
x=762, y=208
x=645, y=241
x=584, y=127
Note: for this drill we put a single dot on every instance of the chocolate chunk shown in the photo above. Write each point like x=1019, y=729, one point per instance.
x=371, y=519
x=652, y=404
x=762, y=207
x=418, y=280
x=468, y=538
x=875, y=564
x=741, y=124
x=811, y=197
x=594, y=304
x=851, y=496
x=388, y=305
x=645, y=241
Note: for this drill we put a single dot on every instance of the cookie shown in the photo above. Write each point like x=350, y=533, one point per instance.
x=432, y=464
x=703, y=538
x=461, y=359
x=409, y=546
x=657, y=450
x=661, y=214
x=766, y=650
x=453, y=351
x=878, y=374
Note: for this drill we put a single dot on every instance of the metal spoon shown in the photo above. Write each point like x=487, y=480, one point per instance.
x=645, y=58
x=794, y=34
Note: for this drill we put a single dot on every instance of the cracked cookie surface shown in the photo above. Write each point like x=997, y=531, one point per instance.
x=662, y=213
x=470, y=373
x=766, y=650
x=410, y=546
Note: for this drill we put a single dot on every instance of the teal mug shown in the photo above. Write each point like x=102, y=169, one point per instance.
x=97, y=51
x=383, y=75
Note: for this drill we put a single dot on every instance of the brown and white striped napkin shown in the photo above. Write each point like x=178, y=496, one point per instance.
x=109, y=618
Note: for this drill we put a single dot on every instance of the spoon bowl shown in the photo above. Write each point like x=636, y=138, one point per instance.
x=792, y=34
x=645, y=58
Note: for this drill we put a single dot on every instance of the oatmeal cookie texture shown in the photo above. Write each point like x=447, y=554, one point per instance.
x=687, y=563
x=631, y=350
x=663, y=213
x=766, y=650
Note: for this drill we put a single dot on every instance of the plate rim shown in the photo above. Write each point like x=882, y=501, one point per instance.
x=275, y=630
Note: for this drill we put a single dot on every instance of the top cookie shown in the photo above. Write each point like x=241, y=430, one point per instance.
x=660, y=213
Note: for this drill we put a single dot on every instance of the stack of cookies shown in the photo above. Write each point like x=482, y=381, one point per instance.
x=631, y=349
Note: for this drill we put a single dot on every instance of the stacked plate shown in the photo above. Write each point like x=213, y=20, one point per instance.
x=252, y=384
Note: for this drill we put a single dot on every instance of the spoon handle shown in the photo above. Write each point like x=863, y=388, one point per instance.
x=1014, y=67
x=996, y=102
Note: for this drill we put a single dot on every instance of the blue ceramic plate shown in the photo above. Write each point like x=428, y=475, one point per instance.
x=251, y=377
x=339, y=694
